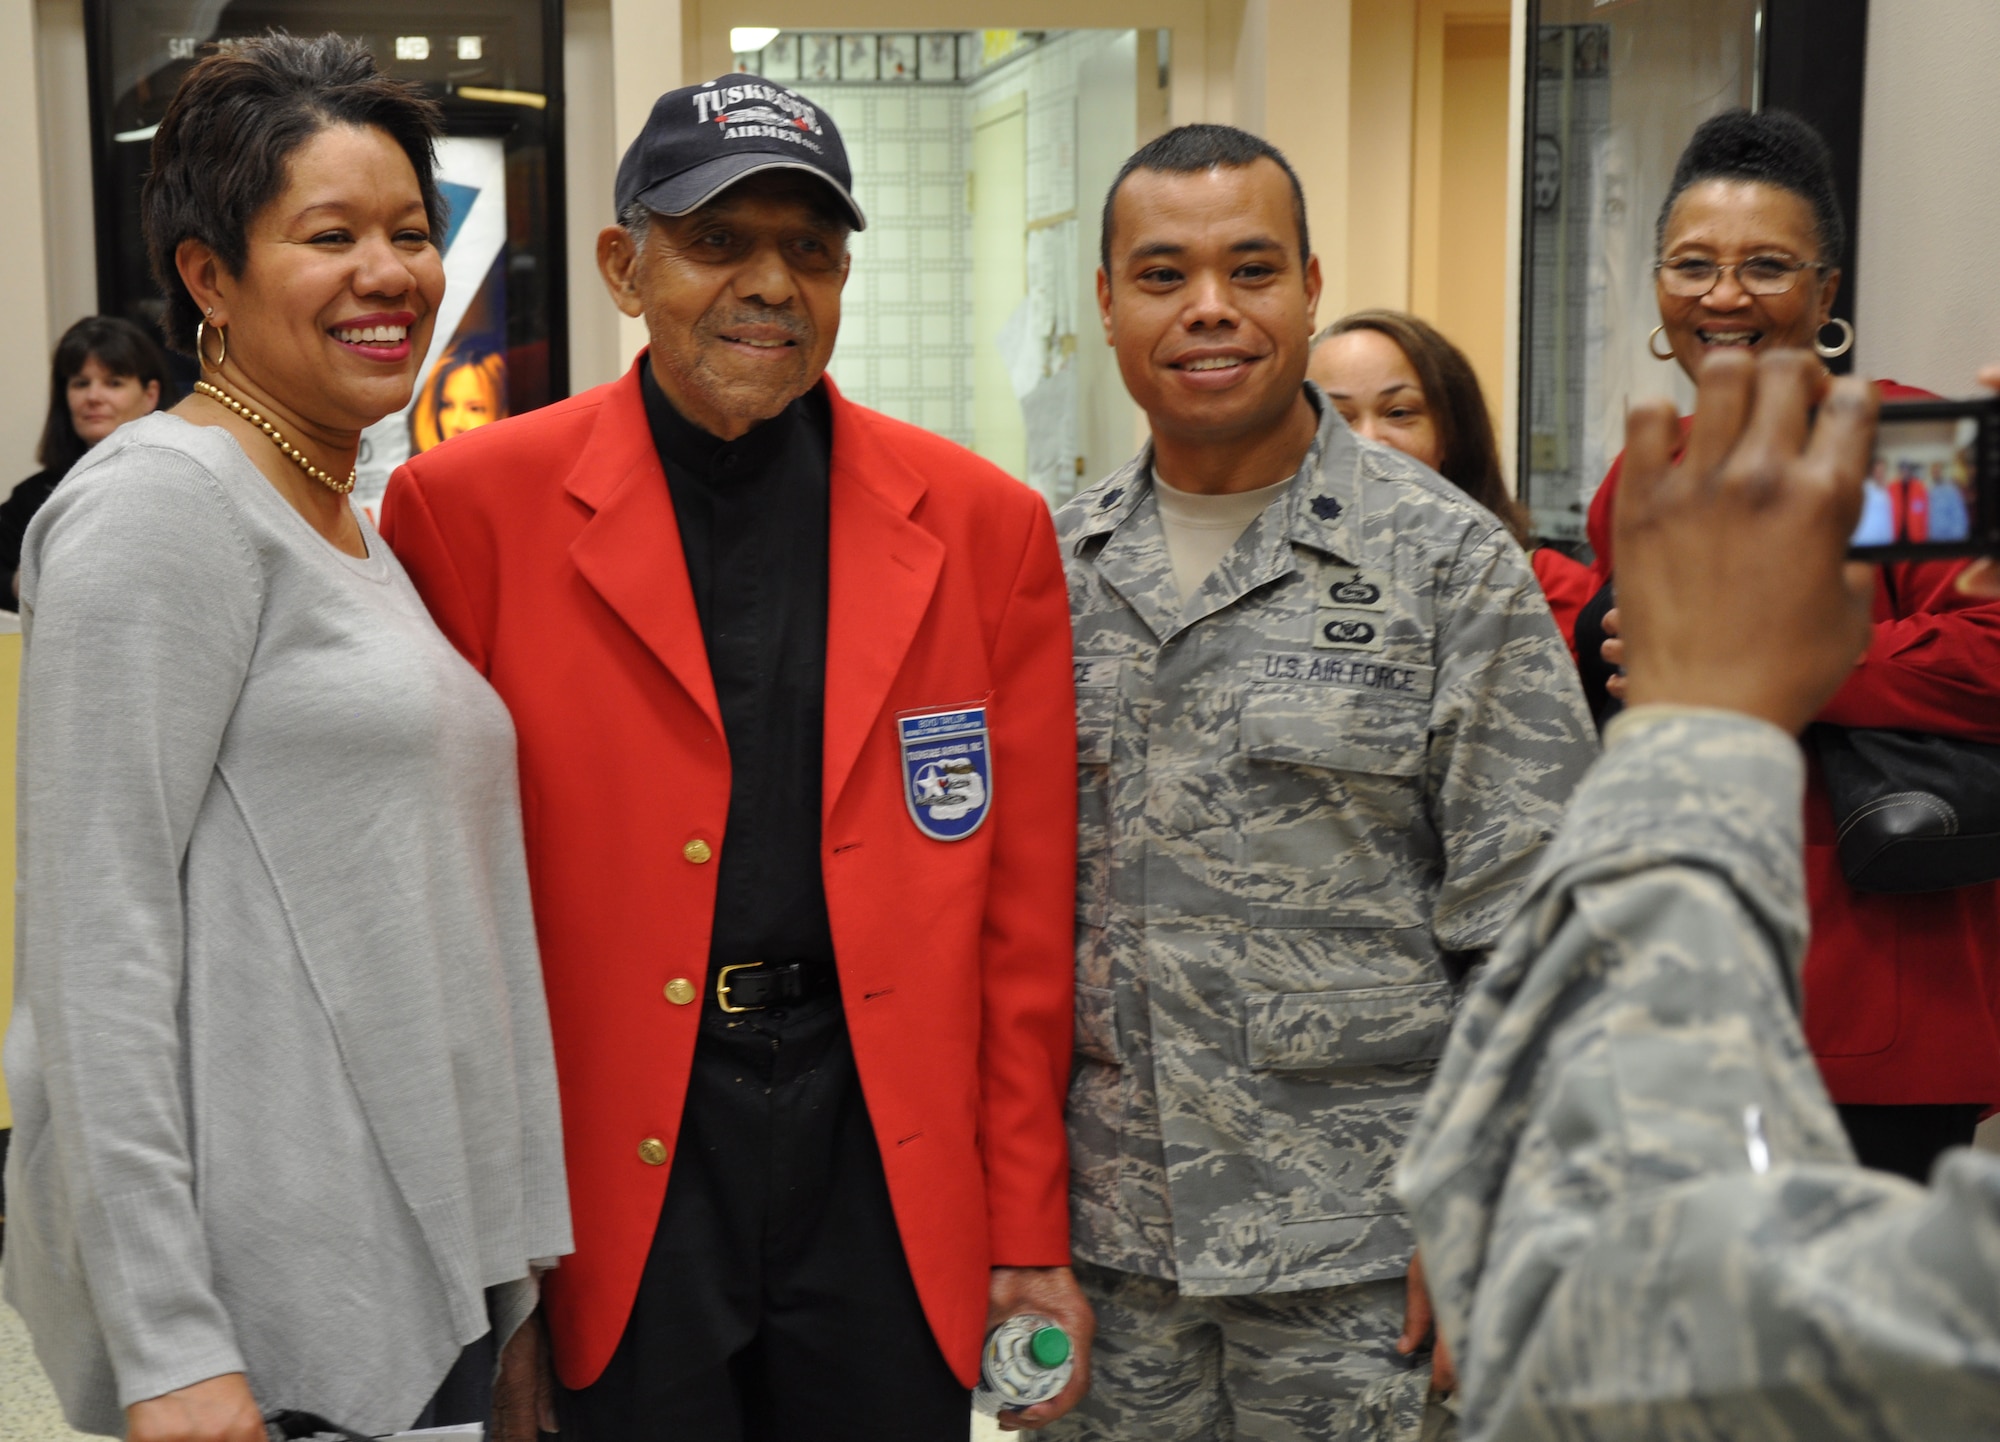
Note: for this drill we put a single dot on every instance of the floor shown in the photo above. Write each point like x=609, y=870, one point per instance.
x=28, y=1411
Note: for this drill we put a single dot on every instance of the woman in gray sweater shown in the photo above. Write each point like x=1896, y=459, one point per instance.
x=286, y=1134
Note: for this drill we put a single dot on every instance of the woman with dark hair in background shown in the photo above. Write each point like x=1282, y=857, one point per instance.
x=1901, y=992
x=107, y=371
x=1397, y=380
x=287, y=1128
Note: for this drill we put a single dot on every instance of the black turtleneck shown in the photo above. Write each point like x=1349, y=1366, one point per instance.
x=753, y=523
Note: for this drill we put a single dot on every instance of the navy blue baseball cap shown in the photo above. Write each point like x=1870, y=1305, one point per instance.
x=701, y=140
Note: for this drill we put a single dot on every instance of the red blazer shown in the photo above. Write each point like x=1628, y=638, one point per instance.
x=1902, y=993
x=547, y=549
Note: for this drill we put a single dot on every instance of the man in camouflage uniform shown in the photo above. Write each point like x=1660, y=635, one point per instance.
x=1314, y=781
x=1639, y=1212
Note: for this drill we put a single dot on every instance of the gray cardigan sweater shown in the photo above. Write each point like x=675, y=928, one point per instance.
x=285, y=1099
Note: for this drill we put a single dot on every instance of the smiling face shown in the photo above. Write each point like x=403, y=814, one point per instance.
x=1375, y=388
x=741, y=298
x=340, y=285
x=1208, y=301
x=465, y=402
x=100, y=402
x=1729, y=222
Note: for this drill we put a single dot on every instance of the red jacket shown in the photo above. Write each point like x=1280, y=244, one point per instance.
x=547, y=549
x=1567, y=584
x=1902, y=993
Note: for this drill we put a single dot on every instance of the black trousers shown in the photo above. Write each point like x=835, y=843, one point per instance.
x=1908, y=1140
x=776, y=1303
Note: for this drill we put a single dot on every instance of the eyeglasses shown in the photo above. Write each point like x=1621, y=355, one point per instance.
x=1691, y=278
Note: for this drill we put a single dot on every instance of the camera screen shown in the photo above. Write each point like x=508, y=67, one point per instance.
x=1920, y=489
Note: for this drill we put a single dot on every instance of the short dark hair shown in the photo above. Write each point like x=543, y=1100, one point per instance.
x=1187, y=149
x=1468, y=456
x=224, y=146
x=1771, y=147
x=121, y=348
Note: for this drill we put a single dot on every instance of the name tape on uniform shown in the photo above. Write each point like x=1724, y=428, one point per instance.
x=1095, y=673
x=1388, y=678
x=947, y=770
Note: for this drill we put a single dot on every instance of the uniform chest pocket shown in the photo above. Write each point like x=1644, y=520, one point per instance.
x=1334, y=832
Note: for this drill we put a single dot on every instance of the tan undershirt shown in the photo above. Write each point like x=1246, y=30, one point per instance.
x=1200, y=529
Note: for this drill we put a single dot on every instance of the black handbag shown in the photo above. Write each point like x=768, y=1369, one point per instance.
x=290, y=1425
x=1911, y=812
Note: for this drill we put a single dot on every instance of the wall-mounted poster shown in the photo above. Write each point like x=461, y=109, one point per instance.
x=898, y=57
x=495, y=68
x=463, y=381
x=819, y=57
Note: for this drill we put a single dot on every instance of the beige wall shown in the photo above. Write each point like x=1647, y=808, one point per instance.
x=1469, y=289
x=1434, y=175
x=1928, y=251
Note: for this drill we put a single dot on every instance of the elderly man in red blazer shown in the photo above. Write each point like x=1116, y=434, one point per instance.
x=797, y=744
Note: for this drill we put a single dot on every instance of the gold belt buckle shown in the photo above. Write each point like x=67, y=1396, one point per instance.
x=722, y=986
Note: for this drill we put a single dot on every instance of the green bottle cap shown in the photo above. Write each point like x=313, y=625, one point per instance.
x=1049, y=1347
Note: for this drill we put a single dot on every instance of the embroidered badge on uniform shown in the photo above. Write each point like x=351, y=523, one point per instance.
x=947, y=770
x=1354, y=593
x=1349, y=628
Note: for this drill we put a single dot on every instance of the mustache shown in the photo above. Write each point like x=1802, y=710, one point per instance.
x=794, y=325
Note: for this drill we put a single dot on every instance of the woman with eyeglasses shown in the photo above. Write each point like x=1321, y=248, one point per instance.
x=1902, y=992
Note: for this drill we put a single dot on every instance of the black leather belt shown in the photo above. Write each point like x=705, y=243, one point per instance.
x=754, y=985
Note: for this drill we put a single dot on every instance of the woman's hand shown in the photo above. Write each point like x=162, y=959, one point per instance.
x=524, y=1404
x=218, y=1410
x=1613, y=651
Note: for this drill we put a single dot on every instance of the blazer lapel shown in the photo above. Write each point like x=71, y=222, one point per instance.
x=630, y=549
x=881, y=570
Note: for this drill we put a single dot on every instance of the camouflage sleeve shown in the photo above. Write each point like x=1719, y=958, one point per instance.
x=1511, y=738
x=1636, y=1207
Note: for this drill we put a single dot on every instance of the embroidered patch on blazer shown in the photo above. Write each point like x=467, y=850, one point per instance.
x=947, y=770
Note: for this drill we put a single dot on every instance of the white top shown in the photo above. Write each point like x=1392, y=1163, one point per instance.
x=285, y=1098
x=1200, y=528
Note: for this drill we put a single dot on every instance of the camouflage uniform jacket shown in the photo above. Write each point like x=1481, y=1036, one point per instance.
x=1337, y=764
x=1639, y=1215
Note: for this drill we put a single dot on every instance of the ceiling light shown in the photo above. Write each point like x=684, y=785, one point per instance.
x=749, y=39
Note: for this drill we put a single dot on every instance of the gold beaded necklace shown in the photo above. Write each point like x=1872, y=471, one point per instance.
x=339, y=488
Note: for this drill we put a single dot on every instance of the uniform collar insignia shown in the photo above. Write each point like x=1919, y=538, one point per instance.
x=1326, y=502
x=1111, y=500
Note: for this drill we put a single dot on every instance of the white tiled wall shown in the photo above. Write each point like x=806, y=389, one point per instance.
x=906, y=329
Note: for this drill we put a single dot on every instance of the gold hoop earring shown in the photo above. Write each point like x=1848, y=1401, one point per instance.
x=1834, y=352
x=1652, y=351
x=200, y=331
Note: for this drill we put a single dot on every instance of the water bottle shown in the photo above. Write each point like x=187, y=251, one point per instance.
x=1027, y=1359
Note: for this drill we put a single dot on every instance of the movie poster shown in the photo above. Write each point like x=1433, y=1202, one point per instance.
x=463, y=380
